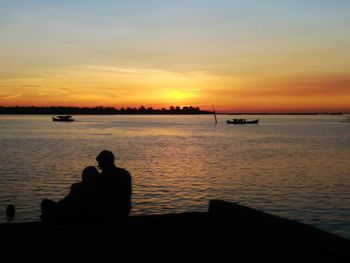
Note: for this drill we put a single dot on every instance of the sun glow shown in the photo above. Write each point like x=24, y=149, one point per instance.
x=179, y=95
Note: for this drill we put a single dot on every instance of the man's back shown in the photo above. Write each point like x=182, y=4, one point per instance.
x=115, y=186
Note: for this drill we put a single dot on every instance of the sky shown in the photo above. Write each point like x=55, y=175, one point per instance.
x=240, y=55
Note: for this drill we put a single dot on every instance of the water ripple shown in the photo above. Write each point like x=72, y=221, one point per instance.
x=294, y=167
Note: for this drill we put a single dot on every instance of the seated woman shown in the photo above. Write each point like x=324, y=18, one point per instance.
x=81, y=205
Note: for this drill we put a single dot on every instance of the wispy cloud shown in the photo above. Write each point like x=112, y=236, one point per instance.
x=9, y=97
x=290, y=86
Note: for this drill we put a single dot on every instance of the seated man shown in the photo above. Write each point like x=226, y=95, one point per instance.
x=115, y=187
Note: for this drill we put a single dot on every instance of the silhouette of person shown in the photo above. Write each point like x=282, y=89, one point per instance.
x=10, y=213
x=80, y=205
x=115, y=187
x=83, y=200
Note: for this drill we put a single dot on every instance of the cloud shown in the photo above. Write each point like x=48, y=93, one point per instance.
x=307, y=86
x=19, y=86
x=9, y=97
x=292, y=86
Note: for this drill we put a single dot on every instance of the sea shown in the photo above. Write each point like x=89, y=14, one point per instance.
x=293, y=166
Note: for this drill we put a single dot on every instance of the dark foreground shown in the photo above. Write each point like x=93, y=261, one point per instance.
x=227, y=233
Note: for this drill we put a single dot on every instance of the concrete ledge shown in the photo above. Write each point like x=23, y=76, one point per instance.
x=275, y=229
x=227, y=233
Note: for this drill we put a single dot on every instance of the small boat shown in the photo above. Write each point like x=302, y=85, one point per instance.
x=242, y=121
x=65, y=118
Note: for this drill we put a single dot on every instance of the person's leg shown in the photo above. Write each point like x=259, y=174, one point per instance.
x=48, y=209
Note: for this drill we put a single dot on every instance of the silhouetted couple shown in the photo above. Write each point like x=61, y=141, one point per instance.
x=99, y=197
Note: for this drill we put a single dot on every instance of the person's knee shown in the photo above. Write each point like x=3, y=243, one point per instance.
x=47, y=205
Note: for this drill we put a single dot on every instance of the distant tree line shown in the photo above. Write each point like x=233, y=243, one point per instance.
x=100, y=110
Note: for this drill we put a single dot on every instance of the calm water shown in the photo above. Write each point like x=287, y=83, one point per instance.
x=292, y=166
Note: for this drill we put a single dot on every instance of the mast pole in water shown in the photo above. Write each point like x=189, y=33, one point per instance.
x=216, y=121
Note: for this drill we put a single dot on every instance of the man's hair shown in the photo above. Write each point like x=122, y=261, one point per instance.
x=105, y=157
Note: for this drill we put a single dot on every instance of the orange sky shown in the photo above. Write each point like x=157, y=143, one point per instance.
x=238, y=55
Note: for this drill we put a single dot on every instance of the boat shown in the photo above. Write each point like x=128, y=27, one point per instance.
x=65, y=118
x=242, y=121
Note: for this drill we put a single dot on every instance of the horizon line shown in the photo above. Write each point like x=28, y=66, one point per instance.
x=330, y=112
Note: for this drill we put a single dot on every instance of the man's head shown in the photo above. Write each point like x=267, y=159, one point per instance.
x=105, y=160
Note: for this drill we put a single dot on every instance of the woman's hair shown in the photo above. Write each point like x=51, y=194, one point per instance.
x=89, y=174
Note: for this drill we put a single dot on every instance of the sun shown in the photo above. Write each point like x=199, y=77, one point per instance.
x=179, y=95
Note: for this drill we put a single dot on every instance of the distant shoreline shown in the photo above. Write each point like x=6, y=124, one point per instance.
x=287, y=113
x=100, y=110
x=60, y=110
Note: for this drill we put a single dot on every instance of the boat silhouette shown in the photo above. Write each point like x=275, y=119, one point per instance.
x=242, y=121
x=64, y=118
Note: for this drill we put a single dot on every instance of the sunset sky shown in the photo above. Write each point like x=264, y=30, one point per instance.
x=240, y=55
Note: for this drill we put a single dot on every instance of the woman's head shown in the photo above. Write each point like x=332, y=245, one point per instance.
x=89, y=174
